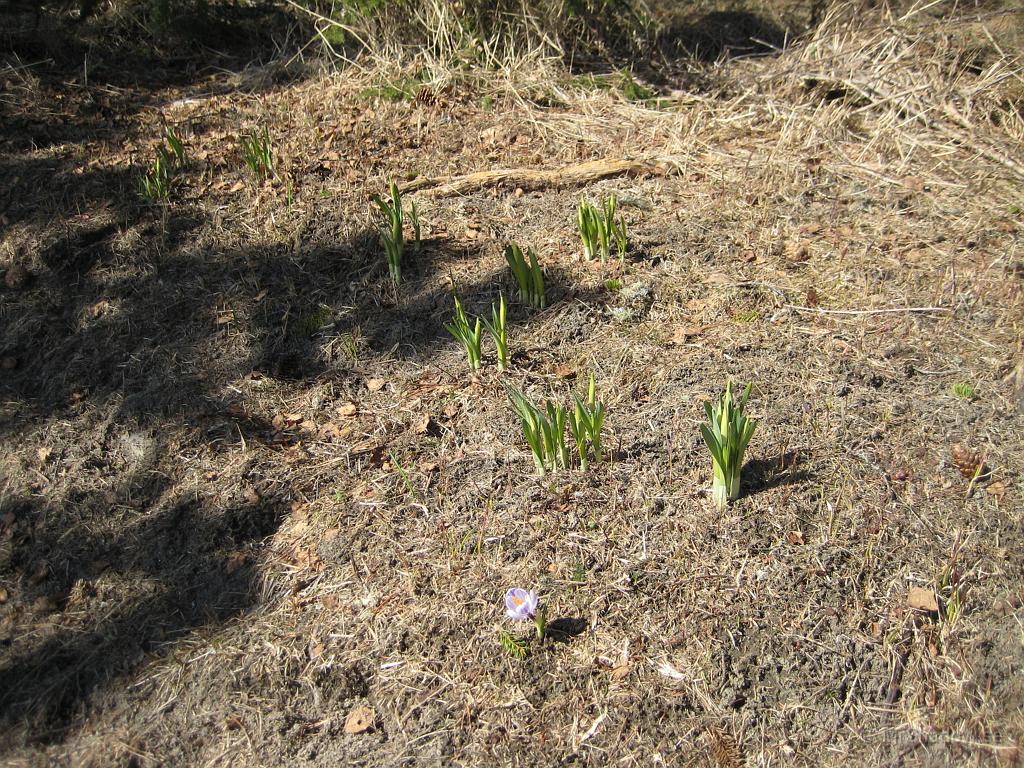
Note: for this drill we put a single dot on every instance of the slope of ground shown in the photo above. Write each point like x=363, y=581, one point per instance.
x=249, y=486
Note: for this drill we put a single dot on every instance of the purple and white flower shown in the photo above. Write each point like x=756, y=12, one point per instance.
x=521, y=604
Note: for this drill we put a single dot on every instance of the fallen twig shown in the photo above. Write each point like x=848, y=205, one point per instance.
x=888, y=310
x=530, y=178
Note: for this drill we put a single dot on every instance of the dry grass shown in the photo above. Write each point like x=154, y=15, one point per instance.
x=287, y=498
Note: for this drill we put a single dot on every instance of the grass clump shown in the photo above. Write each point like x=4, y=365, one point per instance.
x=962, y=390
x=258, y=153
x=494, y=33
x=398, y=90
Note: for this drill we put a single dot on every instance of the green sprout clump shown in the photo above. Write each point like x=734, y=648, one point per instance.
x=258, y=153
x=528, y=274
x=155, y=183
x=962, y=390
x=468, y=335
x=599, y=230
x=585, y=422
x=727, y=435
x=544, y=430
x=496, y=328
x=392, y=231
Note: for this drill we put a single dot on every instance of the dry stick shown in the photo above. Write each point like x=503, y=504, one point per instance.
x=533, y=178
x=888, y=310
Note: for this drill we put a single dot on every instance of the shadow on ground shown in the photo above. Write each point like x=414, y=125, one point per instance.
x=179, y=566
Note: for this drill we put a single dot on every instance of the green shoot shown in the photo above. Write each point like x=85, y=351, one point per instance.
x=554, y=434
x=599, y=230
x=392, y=234
x=585, y=422
x=962, y=390
x=177, y=147
x=258, y=154
x=391, y=231
x=544, y=431
x=155, y=183
x=515, y=648
x=586, y=223
x=528, y=275
x=469, y=336
x=414, y=217
x=404, y=474
x=621, y=239
x=496, y=328
x=579, y=574
x=727, y=436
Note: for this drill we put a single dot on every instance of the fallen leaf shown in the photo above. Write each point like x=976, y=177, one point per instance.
x=424, y=424
x=683, y=332
x=797, y=253
x=286, y=420
x=619, y=672
x=331, y=431
x=921, y=599
x=359, y=720
x=43, y=454
x=997, y=489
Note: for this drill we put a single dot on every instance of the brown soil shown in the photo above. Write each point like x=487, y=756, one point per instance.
x=247, y=486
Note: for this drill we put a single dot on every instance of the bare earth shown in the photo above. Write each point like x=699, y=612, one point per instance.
x=248, y=487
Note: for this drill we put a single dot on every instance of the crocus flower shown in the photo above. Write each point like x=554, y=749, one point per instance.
x=520, y=604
